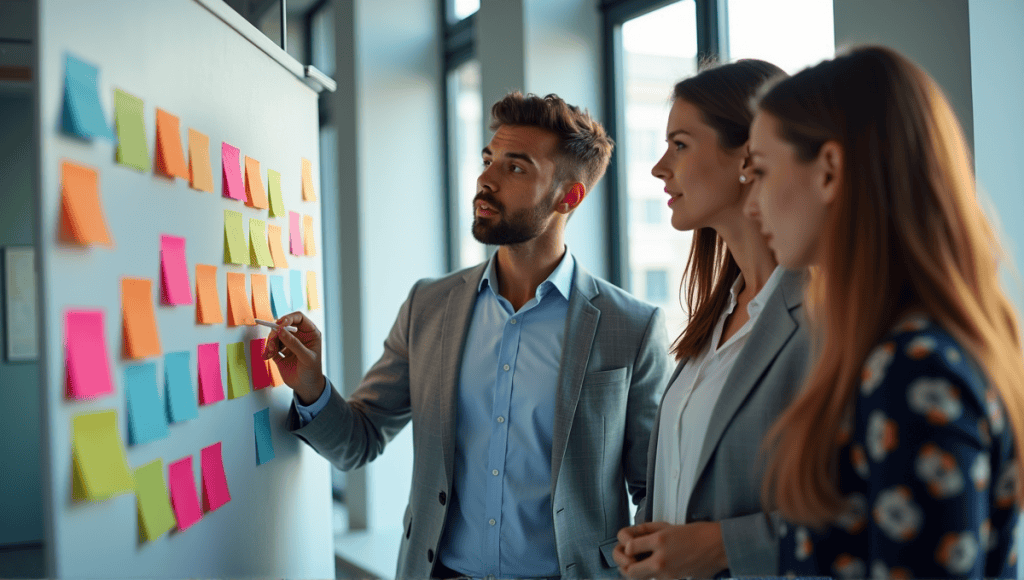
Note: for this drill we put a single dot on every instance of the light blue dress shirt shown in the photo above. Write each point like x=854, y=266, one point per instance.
x=499, y=522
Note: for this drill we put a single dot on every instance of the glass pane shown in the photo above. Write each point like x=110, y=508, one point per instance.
x=659, y=49
x=464, y=8
x=323, y=40
x=465, y=142
x=791, y=34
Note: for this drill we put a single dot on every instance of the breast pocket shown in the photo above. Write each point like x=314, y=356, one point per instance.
x=605, y=377
x=604, y=394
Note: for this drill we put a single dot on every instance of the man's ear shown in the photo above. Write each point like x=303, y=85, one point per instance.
x=573, y=197
x=829, y=165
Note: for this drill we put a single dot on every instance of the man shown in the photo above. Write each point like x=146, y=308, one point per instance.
x=531, y=385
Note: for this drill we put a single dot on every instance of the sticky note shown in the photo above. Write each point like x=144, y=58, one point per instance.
x=260, y=370
x=100, y=467
x=278, y=299
x=312, y=297
x=215, y=481
x=296, y=292
x=307, y=181
x=238, y=371
x=207, y=297
x=181, y=399
x=200, y=173
x=309, y=244
x=146, y=417
x=232, y=181
x=275, y=374
x=235, y=248
x=81, y=217
x=85, y=344
x=276, y=249
x=239, y=312
x=140, y=333
x=254, y=194
x=261, y=298
x=274, y=189
x=132, y=149
x=295, y=231
x=211, y=388
x=170, y=159
x=264, y=442
x=154, y=504
x=259, y=253
x=82, y=115
x=175, y=287
x=184, y=498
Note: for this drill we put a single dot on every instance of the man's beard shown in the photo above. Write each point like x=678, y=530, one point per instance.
x=522, y=226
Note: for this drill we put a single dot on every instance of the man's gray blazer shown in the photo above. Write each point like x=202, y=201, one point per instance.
x=767, y=375
x=615, y=366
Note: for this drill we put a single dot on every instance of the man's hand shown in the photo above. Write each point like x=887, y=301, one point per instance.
x=690, y=550
x=298, y=356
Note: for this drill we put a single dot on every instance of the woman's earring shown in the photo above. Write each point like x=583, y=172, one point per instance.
x=743, y=178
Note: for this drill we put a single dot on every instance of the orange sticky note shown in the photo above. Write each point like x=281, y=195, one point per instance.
x=307, y=181
x=261, y=298
x=170, y=160
x=276, y=249
x=255, y=195
x=312, y=299
x=207, y=299
x=140, y=334
x=307, y=235
x=200, y=172
x=81, y=211
x=275, y=375
x=239, y=311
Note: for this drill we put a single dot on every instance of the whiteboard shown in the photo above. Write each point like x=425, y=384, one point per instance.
x=179, y=56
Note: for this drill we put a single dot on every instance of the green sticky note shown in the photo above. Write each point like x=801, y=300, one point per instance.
x=274, y=188
x=238, y=371
x=259, y=251
x=235, y=248
x=155, y=513
x=101, y=470
x=132, y=148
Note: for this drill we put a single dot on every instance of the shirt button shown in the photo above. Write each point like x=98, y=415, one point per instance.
x=491, y=521
x=506, y=367
x=501, y=419
x=494, y=472
x=513, y=321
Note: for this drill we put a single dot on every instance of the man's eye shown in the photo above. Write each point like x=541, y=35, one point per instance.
x=517, y=169
x=486, y=162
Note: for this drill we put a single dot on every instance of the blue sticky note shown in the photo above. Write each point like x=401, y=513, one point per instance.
x=278, y=300
x=83, y=116
x=264, y=443
x=182, y=404
x=146, y=421
x=297, y=302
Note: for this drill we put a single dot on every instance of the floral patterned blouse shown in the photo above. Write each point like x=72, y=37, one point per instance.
x=928, y=471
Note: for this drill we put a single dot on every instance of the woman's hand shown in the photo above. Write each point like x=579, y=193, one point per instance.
x=667, y=551
x=298, y=356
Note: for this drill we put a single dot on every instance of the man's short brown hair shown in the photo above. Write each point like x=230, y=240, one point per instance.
x=584, y=145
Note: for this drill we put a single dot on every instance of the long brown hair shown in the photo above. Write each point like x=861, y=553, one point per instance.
x=905, y=233
x=722, y=93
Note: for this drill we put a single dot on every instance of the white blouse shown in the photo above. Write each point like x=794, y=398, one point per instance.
x=689, y=402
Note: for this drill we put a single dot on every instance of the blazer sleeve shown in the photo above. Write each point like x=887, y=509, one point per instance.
x=648, y=382
x=354, y=432
x=751, y=543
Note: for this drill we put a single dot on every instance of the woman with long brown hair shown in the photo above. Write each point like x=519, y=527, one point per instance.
x=741, y=357
x=899, y=458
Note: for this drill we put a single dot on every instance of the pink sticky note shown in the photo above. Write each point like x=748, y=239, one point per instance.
x=260, y=371
x=295, y=231
x=211, y=387
x=233, y=185
x=184, y=498
x=215, y=483
x=175, y=286
x=85, y=346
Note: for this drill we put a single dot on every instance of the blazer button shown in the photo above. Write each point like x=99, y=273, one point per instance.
x=430, y=556
x=441, y=497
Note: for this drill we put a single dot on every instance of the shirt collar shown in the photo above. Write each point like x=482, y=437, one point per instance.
x=757, y=304
x=560, y=279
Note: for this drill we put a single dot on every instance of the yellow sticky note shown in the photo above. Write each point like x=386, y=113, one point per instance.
x=276, y=249
x=259, y=253
x=155, y=513
x=200, y=173
x=238, y=371
x=239, y=311
x=101, y=470
x=312, y=298
x=274, y=188
x=207, y=298
x=307, y=235
x=307, y=181
x=234, y=239
x=132, y=149
x=254, y=194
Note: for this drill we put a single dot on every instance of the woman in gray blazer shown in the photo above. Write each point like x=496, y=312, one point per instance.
x=741, y=358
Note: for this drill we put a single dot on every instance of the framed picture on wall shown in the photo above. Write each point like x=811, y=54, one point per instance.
x=22, y=335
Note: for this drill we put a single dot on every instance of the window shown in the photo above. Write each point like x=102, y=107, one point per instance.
x=462, y=9
x=465, y=116
x=791, y=34
x=657, y=286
